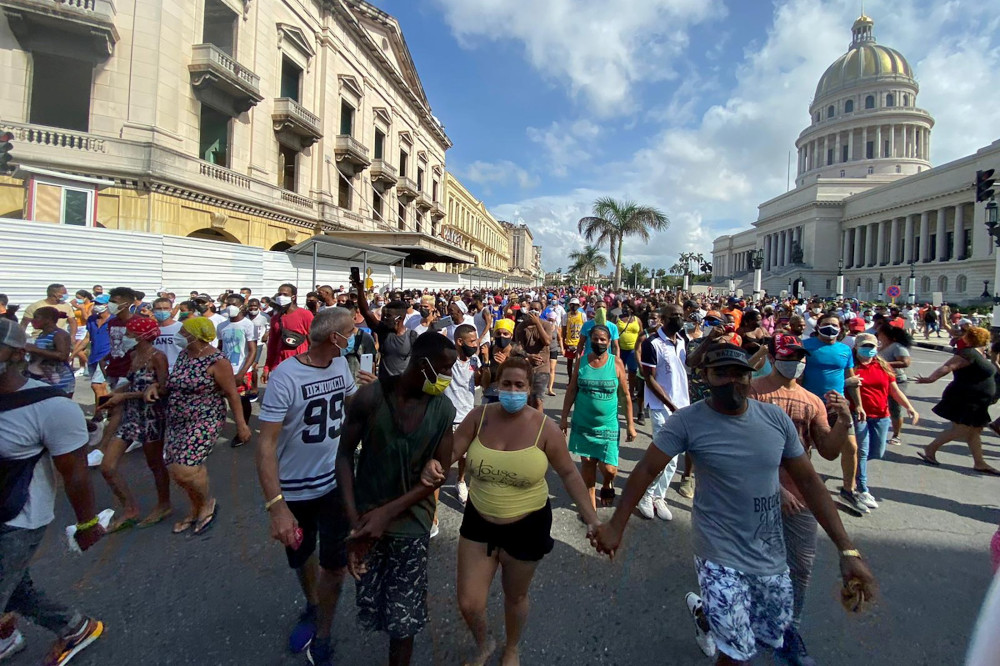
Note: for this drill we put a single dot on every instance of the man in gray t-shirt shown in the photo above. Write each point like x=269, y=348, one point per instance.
x=738, y=446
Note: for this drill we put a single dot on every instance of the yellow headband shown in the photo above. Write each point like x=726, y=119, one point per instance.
x=504, y=325
x=200, y=327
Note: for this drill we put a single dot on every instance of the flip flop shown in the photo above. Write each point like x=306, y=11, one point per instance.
x=149, y=523
x=989, y=471
x=128, y=523
x=607, y=496
x=183, y=526
x=206, y=523
x=928, y=460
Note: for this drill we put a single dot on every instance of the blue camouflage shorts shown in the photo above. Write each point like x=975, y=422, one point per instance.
x=392, y=595
x=744, y=609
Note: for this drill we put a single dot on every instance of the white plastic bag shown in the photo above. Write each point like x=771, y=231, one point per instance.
x=104, y=518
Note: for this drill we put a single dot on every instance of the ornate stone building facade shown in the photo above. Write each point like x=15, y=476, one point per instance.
x=469, y=224
x=250, y=121
x=867, y=202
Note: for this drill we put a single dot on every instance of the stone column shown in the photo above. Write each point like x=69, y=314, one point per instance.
x=850, y=145
x=781, y=248
x=836, y=148
x=858, y=256
x=893, y=241
x=942, y=235
x=880, y=249
x=927, y=145
x=766, y=245
x=864, y=143
x=960, y=232
x=788, y=247
x=892, y=139
x=907, y=239
x=925, y=237
x=845, y=253
x=867, y=246
x=878, y=142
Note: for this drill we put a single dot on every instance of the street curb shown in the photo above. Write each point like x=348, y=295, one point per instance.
x=933, y=347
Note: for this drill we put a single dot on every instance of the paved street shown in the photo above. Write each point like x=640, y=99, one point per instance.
x=229, y=598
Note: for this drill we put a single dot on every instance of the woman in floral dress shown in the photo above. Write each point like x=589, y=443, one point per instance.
x=200, y=383
x=141, y=422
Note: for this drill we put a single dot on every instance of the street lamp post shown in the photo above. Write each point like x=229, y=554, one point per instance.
x=790, y=286
x=840, y=279
x=994, y=231
x=881, y=286
x=757, y=262
x=911, y=296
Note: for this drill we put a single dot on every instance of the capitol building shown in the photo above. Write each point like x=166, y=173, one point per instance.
x=867, y=202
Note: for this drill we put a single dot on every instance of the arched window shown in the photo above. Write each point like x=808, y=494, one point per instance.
x=943, y=284
x=868, y=285
x=829, y=111
x=849, y=106
x=889, y=100
x=925, y=284
x=870, y=102
x=961, y=284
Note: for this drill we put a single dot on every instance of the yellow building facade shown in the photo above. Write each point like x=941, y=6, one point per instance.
x=260, y=123
x=468, y=224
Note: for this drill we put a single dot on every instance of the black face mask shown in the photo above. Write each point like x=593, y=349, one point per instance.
x=425, y=313
x=503, y=343
x=599, y=348
x=727, y=397
x=469, y=351
x=674, y=324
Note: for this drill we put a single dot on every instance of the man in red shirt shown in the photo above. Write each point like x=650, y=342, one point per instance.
x=289, y=325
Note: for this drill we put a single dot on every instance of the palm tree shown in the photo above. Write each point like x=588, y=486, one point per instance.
x=613, y=220
x=587, y=262
x=677, y=269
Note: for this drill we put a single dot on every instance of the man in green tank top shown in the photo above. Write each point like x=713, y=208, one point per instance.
x=400, y=423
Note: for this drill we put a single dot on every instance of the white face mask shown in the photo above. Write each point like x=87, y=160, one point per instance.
x=283, y=301
x=128, y=344
x=790, y=369
x=113, y=308
x=233, y=311
x=180, y=341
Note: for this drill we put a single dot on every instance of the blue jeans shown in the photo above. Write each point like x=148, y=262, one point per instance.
x=871, y=435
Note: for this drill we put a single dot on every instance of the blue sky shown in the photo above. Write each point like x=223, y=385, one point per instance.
x=688, y=105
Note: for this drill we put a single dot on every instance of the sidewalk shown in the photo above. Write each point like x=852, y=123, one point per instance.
x=934, y=342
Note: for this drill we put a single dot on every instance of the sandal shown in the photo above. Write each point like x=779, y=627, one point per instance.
x=206, y=523
x=989, y=470
x=927, y=459
x=184, y=525
x=149, y=521
x=125, y=524
x=607, y=496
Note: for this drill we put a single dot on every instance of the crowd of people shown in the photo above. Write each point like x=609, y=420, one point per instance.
x=367, y=400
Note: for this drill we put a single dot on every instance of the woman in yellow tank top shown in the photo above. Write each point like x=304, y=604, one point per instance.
x=508, y=516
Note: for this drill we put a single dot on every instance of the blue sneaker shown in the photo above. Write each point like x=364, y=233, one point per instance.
x=793, y=651
x=319, y=653
x=304, y=631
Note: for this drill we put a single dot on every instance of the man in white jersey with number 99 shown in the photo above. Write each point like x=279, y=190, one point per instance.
x=301, y=418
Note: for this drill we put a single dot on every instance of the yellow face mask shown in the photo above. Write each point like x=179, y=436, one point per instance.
x=440, y=383
x=600, y=316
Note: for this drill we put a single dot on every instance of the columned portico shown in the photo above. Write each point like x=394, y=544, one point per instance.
x=942, y=236
x=925, y=237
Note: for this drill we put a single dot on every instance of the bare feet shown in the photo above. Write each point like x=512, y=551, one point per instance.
x=986, y=469
x=485, y=651
x=158, y=514
x=510, y=657
x=127, y=519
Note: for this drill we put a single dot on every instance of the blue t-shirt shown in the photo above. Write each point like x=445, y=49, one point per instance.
x=588, y=326
x=825, y=366
x=100, y=339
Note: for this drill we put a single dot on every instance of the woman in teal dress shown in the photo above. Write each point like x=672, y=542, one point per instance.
x=597, y=388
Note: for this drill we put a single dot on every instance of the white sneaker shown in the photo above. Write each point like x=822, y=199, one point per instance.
x=463, y=492
x=133, y=446
x=702, y=631
x=646, y=507
x=95, y=458
x=434, y=529
x=662, y=510
x=11, y=645
x=868, y=500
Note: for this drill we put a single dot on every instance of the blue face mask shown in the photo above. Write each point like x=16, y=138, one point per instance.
x=161, y=315
x=867, y=352
x=350, y=344
x=513, y=401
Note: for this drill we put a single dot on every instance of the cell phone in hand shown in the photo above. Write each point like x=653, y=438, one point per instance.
x=445, y=321
x=367, y=363
x=355, y=274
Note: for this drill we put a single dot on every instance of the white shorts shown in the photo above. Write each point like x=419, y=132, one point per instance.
x=744, y=609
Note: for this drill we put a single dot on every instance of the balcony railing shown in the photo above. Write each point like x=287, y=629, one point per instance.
x=292, y=118
x=297, y=199
x=225, y=175
x=54, y=137
x=84, y=27
x=211, y=68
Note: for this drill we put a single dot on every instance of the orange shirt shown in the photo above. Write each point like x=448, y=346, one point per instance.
x=737, y=315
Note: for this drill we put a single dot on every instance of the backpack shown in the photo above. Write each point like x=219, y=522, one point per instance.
x=16, y=475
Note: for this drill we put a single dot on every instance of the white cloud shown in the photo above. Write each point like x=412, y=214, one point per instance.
x=501, y=173
x=565, y=144
x=710, y=172
x=599, y=49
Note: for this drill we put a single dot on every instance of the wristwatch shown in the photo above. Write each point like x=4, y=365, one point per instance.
x=851, y=553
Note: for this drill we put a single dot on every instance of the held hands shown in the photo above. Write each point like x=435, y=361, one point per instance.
x=433, y=474
x=370, y=526
x=860, y=588
x=605, y=538
x=113, y=400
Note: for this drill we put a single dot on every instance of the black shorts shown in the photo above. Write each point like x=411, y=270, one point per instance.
x=324, y=517
x=527, y=539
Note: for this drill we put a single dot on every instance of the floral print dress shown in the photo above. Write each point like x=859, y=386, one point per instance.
x=142, y=421
x=196, y=410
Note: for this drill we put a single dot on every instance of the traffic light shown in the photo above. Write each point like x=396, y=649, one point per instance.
x=984, y=185
x=5, y=157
